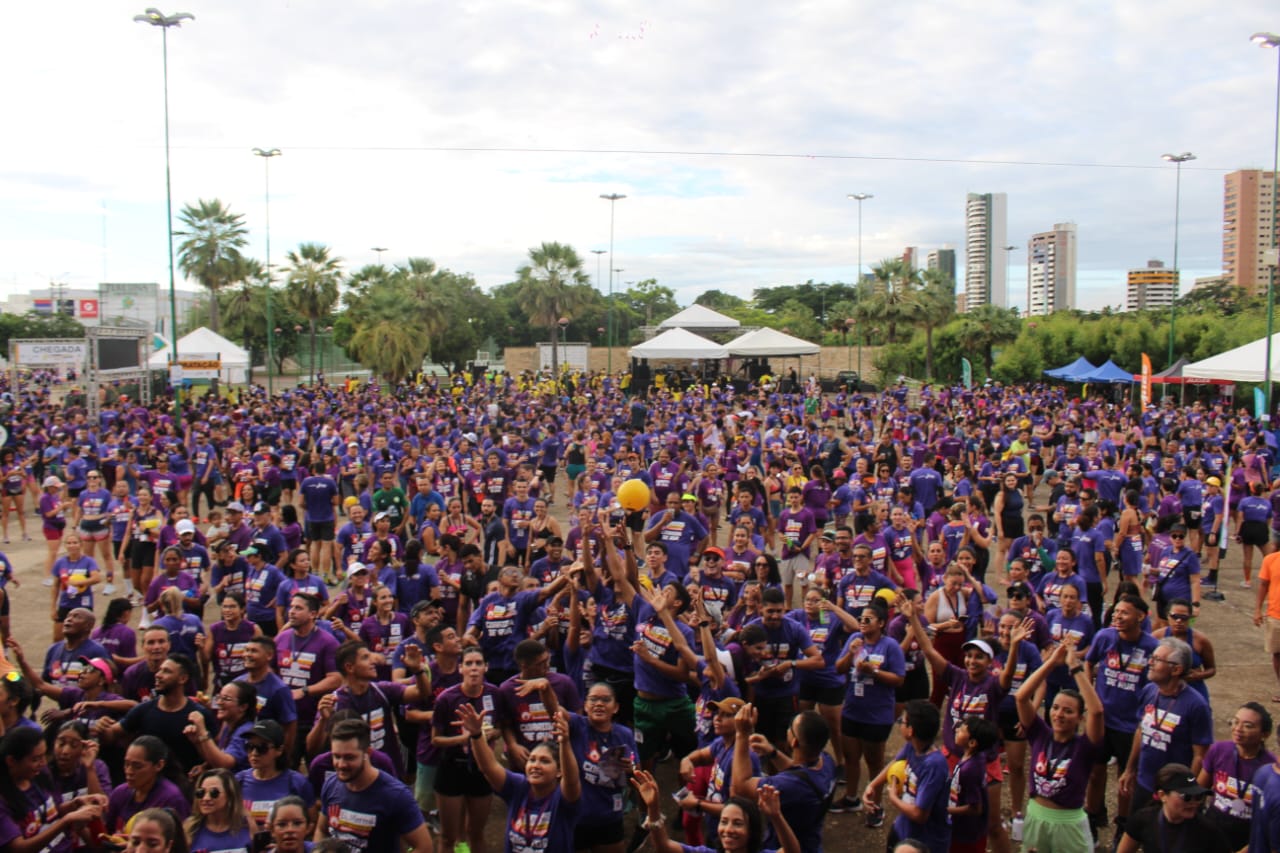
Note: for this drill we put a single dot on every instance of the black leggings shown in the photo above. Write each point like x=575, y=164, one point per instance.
x=198, y=489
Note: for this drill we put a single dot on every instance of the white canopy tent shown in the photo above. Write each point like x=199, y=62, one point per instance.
x=204, y=342
x=770, y=342
x=1243, y=364
x=699, y=317
x=677, y=343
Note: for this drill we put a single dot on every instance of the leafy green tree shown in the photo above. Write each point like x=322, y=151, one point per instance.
x=936, y=305
x=818, y=298
x=892, y=301
x=384, y=337
x=718, y=300
x=210, y=254
x=986, y=328
x=651, y=300
x=551, y=287
x=33, y=325
x=311, y=287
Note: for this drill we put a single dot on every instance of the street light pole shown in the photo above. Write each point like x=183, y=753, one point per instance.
x=1008, y=265
x=859, y=198
x=1272, y=40
x=156, y=18
x=266, y=155
x=1177, y=160
x=613, y=199
x=609, y=340
x=379, y=250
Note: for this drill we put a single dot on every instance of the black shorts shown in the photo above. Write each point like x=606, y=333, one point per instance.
x=320, y=531
x=142, y=554
x=61, y=614
x=462, y=779
x=1009, y=728
x=586, y=837
x=869, y=732
x=1116, y=744
x=822, y=695
x=1191, y=517
x=914, y=686
x=775, y=716
x=549, y=476
x=1254, y=533
x=4, y=605
x=75, y=493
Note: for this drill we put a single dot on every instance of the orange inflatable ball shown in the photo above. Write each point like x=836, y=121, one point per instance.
x=633, y=495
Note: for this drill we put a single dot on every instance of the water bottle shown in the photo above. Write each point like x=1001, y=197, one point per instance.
x=1015, y=828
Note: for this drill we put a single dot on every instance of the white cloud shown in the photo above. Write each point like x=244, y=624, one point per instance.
x=361, y=97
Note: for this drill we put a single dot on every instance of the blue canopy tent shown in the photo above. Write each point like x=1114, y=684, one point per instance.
x=1109, y=373
x=1073, y=371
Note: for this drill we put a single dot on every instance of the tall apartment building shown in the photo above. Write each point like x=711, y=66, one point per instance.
x=1051, y=270
x=943, y=260
x=911, y=257
x=1151, y=287
x=985, y=233
x=1248, y=211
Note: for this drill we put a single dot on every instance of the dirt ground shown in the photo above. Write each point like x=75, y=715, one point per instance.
x=1244, y=673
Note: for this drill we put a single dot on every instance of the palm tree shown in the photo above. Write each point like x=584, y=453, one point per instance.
x=387, y=341
x=988, y=326
x=893, y=296
x=936, y=304
x=311, y=287
x=211, y=253
x=549, y=290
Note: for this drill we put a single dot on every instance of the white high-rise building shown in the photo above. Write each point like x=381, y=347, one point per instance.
x=1051, y=270
x=986, y=229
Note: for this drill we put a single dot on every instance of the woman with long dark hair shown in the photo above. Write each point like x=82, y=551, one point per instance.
x=115, y=635
x=31, y=819
x=218, y=821
x=741, y=827
x=236, y=707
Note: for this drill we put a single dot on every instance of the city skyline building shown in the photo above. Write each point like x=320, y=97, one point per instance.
x=1151, y=287
x=1248, y=211
x=1051, y=270
x=986, y=233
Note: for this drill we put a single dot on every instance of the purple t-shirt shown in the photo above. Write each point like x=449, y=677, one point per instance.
x=786, y=642
x=119, y=640
x=260, y=795
x=373, y=819
x=304, y=661
x=40, y=812
x=317, y=497
x=926, y=788
x=377, y=707
x=1169, y=727
x=1120, y=673
x=321, y=769
x=1231, y=779
x=537, y=825
x=653, y=632
x=969, y=788
x=163, y=795
x=1060, y=771
x=969, y=699
x=528, y=715
x=601, y=763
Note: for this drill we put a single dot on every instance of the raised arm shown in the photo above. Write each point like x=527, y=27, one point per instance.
x=911, y=610
x=473, y=725
x=1026, y=695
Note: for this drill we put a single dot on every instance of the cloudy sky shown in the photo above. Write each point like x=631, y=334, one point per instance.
x=470, y=132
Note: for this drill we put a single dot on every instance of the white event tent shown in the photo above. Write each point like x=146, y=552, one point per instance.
x=770, y=342
x=1243, y=364
x=677, y=343
x=206, y=342
x=699, y=317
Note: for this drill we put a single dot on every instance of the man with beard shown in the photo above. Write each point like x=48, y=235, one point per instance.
x=366, y=807
x=306, y=660
x=166, y=714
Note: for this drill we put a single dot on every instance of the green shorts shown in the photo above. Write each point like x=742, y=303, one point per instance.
x=1059, y=830
x=663, y=724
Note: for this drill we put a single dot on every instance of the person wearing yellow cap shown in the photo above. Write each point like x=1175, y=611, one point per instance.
x=1212, y=517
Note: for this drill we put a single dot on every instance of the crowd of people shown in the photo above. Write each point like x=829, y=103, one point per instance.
x=347, y=618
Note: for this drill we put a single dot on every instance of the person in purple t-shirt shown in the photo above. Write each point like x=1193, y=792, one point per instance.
x=146, y=785
x=776, y=647
x=1061, y=759
x=528, y=702
x=975, y=691
x=797, y=528
x=28, y=810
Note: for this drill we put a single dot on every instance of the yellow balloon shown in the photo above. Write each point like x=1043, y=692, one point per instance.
x=633, y=495
x=887, y=595
x=897, y=773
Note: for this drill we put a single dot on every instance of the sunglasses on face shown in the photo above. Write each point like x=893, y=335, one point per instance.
x=208, y=793
x=259, y=747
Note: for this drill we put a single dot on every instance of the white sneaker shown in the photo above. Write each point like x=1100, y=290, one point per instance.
x=47, y=582
x=109, y=588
